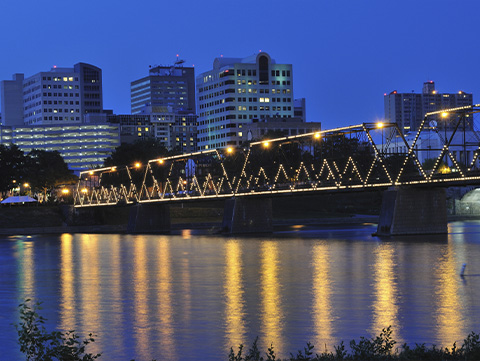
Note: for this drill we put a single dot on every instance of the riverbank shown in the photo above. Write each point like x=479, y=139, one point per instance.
x=209, y=227
x=315, y=211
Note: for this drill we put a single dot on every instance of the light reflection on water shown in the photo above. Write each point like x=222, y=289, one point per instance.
x=322, y=295
x=234, y=295
x=386, y=298
x=188, y=296
x=271, y=296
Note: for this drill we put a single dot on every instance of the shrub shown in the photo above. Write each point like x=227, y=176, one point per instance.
x=39, y=345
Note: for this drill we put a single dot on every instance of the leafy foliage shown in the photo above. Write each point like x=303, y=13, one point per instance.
x=379, y=348
x=47, y=170
x=39, y=345
x=12, y=166
x=139, y=151
x=41, y=169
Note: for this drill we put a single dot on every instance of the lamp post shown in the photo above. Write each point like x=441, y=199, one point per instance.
x=26, y=186
x=380, y=126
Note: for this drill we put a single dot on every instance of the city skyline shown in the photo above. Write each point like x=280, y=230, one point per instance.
x=344, y=56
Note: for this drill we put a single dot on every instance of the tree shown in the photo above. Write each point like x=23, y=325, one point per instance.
x=12, y=166
x=46, y=170
x=139, y=151
x=40, y=345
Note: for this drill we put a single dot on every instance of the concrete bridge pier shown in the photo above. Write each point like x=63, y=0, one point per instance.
x=248, y=215
x=413, y=211
x=149, y=218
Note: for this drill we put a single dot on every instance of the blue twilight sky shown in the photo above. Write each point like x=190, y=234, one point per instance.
x=345, y=54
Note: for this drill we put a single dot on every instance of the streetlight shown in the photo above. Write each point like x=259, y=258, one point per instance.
x=266, y=144
x=380, y=126
x=137, y=165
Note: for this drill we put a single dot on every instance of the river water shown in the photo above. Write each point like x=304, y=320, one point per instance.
x=192, y=297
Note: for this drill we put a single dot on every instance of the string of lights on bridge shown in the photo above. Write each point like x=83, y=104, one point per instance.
x=93, y=190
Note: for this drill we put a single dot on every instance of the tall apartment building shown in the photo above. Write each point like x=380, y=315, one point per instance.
x=165, y=86
x=59, y=95
x=237, y=91
x=409, y=109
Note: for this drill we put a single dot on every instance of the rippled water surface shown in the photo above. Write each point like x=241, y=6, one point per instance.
x=188, y=296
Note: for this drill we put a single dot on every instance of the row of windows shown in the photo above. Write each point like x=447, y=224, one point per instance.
x=32, y=105
x=60, y=110
x=60, y=94
x=283, y=72
x=66, y=102
x=249, y=72
x=55, y=86
x=30, y=90
x=254, y=91
x=240, y=116
x=61, y=118
x=245, y=82
x=59, y=78
x=219, y=127
x=211, y=121
x=211, y=95
x=91, y=104
x=254, y=108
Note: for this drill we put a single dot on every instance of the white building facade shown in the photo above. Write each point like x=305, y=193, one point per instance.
x=61, y=95
x=237, y=91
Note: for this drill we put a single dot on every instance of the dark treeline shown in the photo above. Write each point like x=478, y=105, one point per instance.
x=41, y=170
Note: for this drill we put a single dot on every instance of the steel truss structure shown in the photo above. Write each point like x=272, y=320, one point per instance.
x=358, y=157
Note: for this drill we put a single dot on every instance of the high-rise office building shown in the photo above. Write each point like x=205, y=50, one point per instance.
x=58, y=96
x=170, y=87
x=237, y=91
x=409, y=109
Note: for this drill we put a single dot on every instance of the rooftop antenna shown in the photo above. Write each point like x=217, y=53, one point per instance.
x=177, y=64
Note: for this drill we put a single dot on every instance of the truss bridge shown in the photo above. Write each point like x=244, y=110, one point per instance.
x=444, y=151
x=364, y=156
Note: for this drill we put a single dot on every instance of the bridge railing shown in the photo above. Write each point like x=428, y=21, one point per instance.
x=362, y=156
